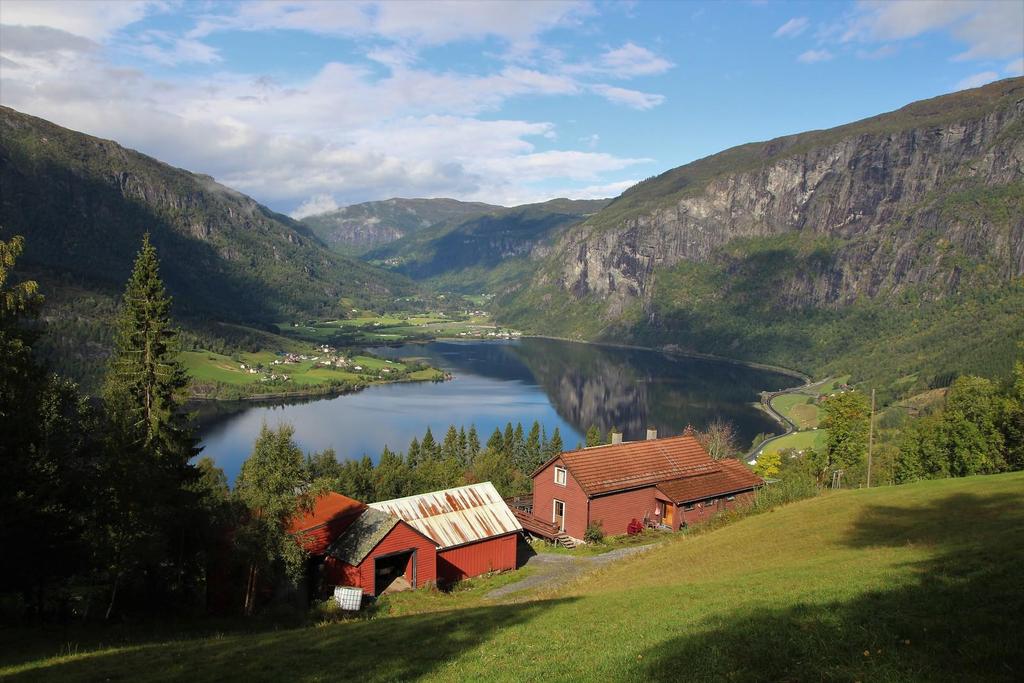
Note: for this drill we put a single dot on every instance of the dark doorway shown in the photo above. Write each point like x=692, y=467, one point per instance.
x=388, y=569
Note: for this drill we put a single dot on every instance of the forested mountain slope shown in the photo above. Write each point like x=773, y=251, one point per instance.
x=360, y=227
x=485, y=253
x=83, y=203
x=894, y=244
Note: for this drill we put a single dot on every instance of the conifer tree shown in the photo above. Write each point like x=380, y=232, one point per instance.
x=414, y=455
x=533, y=452
x=450, y=447
x=144, y=387
x=555, y=445
x=150, y=442
x=472, y=444
x=496, y=444
x=463, y=446
x=428, y=447
x=508, y=441
x=593, y=436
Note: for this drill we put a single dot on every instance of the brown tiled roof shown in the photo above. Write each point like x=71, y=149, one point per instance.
x=606, y=469
x=732, y=476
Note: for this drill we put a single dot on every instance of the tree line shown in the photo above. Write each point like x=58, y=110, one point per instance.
x=976, y=428
x=506, y=460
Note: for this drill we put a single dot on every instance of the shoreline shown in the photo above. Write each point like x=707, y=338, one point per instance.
x=311, y=393
x=806, y=379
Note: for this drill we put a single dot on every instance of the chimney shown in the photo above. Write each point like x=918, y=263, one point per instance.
x=616, y=438
x=652, y=433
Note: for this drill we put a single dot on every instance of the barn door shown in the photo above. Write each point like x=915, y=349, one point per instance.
x=558, y=518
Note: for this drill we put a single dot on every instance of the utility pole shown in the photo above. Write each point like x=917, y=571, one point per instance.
x=871, y=435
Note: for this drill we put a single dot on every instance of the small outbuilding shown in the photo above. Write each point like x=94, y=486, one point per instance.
x=379, y=552
x=474, y=529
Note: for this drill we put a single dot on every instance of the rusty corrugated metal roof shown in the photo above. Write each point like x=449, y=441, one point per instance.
x=455, y=516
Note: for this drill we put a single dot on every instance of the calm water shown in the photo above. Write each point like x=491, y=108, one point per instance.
x=561, y=384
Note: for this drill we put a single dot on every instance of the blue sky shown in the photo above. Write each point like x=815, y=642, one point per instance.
x=311, y=105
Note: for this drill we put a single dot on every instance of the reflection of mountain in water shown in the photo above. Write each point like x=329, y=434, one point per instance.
x=632, y=389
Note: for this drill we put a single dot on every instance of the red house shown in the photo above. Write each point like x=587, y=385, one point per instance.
x=473, y=527
x=331, y=515
x=671, y=482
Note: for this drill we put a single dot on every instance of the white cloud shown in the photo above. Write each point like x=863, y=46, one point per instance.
x=342, y=135
x=164, y=48
x=814, y=56
x=1015, y=68
x=412, y=21
x=792, y=28
x=631, y=60
x=990, y=29
x=976, y=80
x=321, y=203
x=591, y=140
x=599, y=191
x=630, y=98
x=93, y=19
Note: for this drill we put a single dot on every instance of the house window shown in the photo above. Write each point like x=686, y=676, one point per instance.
x=731, y=498
x=688, y=507
x=560, y=476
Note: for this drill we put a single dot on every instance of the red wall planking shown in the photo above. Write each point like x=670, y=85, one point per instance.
x=401, y=538
x=615, y=511
x=474, y=559
x=545, y=491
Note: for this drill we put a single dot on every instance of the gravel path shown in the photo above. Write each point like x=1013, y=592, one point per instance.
x=552, y=570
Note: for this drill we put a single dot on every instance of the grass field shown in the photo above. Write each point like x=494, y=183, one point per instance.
x=368, y=328
x=206, y=366
x=796, y=407
x=799, y=441
x=917, y=582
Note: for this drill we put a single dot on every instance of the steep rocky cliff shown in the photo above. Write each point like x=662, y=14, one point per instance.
x=926, y=202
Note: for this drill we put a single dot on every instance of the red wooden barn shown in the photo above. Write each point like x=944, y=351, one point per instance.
x=473, y=527
x=662, y=481
x=379, y=551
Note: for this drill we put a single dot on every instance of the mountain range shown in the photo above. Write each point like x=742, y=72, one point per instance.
x=891, y=247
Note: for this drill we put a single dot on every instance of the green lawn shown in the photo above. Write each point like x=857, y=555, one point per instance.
x=799, y=441
x=909, y=583
x=796, y=408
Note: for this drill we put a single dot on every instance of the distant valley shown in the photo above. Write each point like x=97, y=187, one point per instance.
x=848, y=249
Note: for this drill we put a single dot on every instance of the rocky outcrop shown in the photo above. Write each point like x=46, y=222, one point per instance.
x=893, y=204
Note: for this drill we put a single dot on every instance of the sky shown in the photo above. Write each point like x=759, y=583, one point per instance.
x=308, y=106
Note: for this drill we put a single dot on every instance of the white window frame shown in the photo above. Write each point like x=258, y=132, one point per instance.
x=554, y=508
x=559, y=470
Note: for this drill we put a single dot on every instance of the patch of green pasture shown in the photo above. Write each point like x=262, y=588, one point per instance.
x=800, y=441
x=916, y=582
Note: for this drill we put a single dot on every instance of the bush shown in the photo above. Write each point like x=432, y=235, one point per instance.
x=635, y=527
x=594, y=533
x=786, y=491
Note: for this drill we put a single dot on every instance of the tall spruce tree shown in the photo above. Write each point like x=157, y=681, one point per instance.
x=150, y=441
x=144, y=387
x=555, y=445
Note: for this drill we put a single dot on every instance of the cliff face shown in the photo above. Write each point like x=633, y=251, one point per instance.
x=922, y=203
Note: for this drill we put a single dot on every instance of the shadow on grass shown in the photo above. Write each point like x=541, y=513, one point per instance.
x=400, y=648
x=958, y=615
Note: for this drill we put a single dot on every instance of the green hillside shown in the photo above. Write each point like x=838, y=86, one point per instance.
x=360, y=227
x=485, y=253
x=917, y=582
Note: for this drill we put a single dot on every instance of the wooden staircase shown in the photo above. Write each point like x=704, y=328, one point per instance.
x=566, y=541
